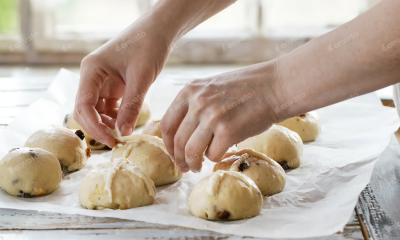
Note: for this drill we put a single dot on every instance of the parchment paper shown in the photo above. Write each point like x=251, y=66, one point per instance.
x=318, y=199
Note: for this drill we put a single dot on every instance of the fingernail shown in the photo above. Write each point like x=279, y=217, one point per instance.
x=126, y=130
x=197, y=170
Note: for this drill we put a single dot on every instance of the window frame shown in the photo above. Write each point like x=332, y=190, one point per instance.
x=46, y=49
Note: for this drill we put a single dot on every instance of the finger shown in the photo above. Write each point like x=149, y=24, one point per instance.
x=219, y=145
x=100, y=106
x=109, y=121
x=112, y=112
x=94, y=126
x=171, y=120
x=186, y=129
x=196, y=146
x=111, y=107
x=135, y=91
x=111, y=103
x=86, y=100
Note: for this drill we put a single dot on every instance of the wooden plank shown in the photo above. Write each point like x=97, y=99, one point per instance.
x=107, y=234
x=28, y=223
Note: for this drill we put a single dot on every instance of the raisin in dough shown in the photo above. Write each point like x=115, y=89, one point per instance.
x=153, y=128
x=69, y=122
x=69, y=146
x=267, y=174
x=150, y=155
x=307, y=126
x=116, y=185
x=30, y=172
x=279, y=143
x=225, y=195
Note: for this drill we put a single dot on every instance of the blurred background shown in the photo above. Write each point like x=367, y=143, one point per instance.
x=64, y=31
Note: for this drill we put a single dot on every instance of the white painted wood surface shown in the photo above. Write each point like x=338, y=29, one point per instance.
x=15, y=95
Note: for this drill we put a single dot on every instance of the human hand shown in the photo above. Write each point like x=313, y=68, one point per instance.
x=124, y=67
x=218, y=112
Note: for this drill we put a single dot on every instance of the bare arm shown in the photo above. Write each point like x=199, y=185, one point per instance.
x=127, y=65
x=353, y=59
x=226, y=109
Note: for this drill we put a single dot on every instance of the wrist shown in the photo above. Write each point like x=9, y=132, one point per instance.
x=274, y=93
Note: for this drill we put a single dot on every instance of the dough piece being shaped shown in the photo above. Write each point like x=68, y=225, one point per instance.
x=116, y=185
x=69, y=146
x=307, y=126
x=225, y=195
x=153, y=128
x=267, y=174
x=30, y=172
x=144, y=115
x=69, y=122
x=279, y=143
x=150, y=155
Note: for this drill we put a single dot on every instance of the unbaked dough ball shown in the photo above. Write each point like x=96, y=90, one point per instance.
x=144, y=115
x=30, y=172
x=279, y=143
x=69, y=122
x=307, y=126
x=153, y=128
x=150, y=155
x=67, y=145
x=116, y=185
x=267, y=174
x=225, y=195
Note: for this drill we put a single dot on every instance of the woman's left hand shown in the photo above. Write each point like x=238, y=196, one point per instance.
x=218, y=112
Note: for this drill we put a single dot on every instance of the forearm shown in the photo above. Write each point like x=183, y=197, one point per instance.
x=345, y=62
x=181, y=16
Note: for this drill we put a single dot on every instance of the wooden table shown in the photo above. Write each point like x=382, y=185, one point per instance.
x=15, y=95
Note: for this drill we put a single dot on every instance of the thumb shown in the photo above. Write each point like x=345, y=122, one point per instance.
x=132, y=101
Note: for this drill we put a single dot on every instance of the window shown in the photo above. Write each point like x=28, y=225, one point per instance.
x=49, y=31
x=9, y=25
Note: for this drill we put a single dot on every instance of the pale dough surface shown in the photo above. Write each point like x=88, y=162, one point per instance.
x=29, y=172
x=150, y=155
x=307, y=126
x=153, y=128
x=225, y=195
x=144, y=115
x=116, y=185
x=267, y=174
x=64, y=143
x=279, y=143
x=69, y=122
